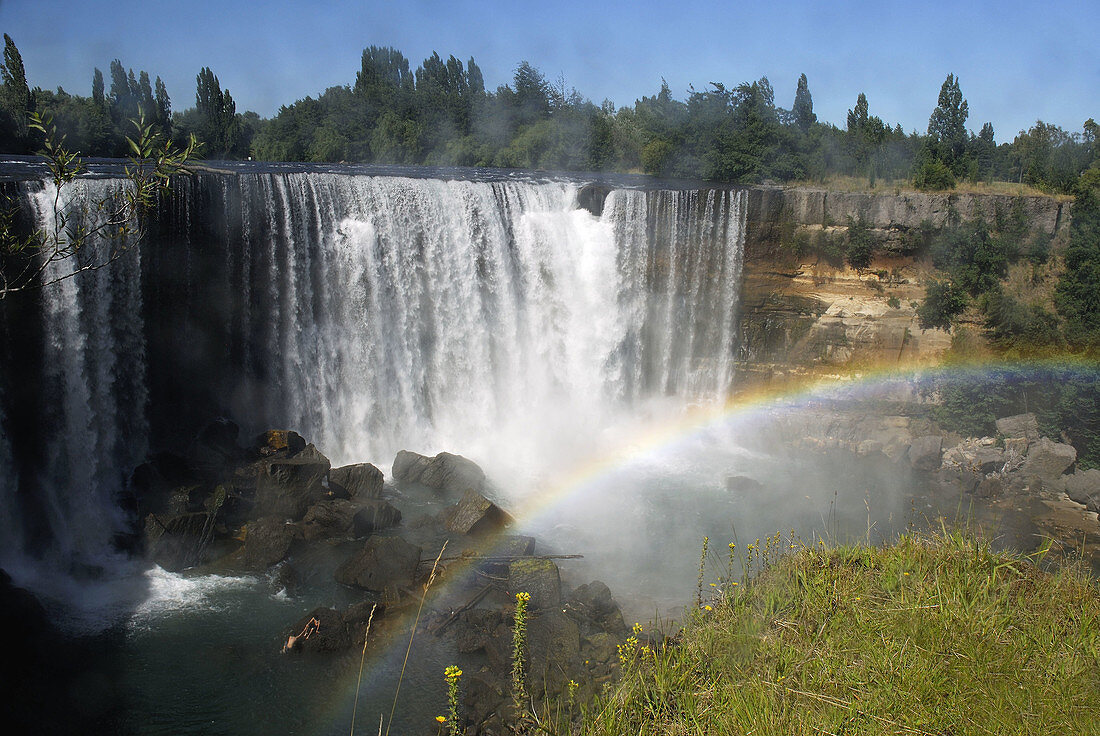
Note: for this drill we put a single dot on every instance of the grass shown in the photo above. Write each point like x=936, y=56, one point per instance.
x=935, y=634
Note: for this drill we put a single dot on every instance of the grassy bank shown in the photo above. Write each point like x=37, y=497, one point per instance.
x=932, y=635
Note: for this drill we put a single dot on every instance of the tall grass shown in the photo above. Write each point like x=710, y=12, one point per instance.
x=935, y=634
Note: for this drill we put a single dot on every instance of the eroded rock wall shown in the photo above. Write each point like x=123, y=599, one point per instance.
x=802, y=316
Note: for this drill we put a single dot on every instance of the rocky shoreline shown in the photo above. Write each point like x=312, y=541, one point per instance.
x=230, y=509
x=1017, y=473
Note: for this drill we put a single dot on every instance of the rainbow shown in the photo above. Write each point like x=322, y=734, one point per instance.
x=753, y=404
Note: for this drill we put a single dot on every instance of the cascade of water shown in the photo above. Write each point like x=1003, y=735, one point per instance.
x=423, y=313
x=94, y=379
x=373, y=314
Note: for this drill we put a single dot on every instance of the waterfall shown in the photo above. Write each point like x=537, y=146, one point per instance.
x=92, y=385
x=373, y=314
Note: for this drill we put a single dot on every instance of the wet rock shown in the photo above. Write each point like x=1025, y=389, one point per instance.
x=374, y=516
x=279, y=441
x=924, y=452
x=320, y=630
x=1024, y=426
x=445, y=471
x=991, y=486
x=287, y=486
x=1084, y=487
x=287, y=579
x=554, y=645
x=155, y=484
x=360, y=481
x=215, y=450
x=484, y=699
x=267, y=542
x=328, y=519
x=1047, y=460
x=176, y=542
x=979, y=455
x=594, y=610
x=955, y=479
x=538, y=577
x=473, y=630
x=384, y=565
x=359, y=616
x=475, y=514
x=743, y=484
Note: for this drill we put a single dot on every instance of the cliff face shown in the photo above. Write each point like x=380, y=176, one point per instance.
x=801, y=316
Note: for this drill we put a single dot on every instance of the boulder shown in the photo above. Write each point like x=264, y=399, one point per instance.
x=554, y=642
x=287, y=486
x=539, y=578
x=279, y=441
x=445, y=471
x=978, y=455
x=743, y=484
x=360, y=481
x=384, y=565
x=215, y=450
x=475, y=514
x=266, y=542
x=955, y=479
x=1084, y=487
x=359, y=615
x=924, y=452
x=594, y=610
x=1019, y=426
x=155, y=484
x=991, y=486
x=320, y=630
x=1047, y=460
x=176, y=542
x=373, y=516
x=328, y=519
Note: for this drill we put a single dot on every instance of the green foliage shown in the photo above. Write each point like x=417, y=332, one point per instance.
x=153, y=160
x=861, y=244
x=1018, y=327
x=1064, y=397
x=975, y=256
x=943, y=302
x=912, y=638
x=933, y=175
x=1077, y=296
x=947, y=127
x=440, y=113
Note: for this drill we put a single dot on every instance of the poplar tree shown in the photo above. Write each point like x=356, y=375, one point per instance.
x=803, y=108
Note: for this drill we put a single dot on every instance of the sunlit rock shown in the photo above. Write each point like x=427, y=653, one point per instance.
x=360, y=481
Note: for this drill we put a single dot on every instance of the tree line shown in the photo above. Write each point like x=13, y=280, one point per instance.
x=441, y=113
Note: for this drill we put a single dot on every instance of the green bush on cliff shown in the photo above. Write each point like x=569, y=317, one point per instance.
x=931, y=635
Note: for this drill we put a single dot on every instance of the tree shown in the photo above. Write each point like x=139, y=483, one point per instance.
x=218, y=125
x=1077, y=296
x=947, y=126
x=97, y=89
x=943, y=301
x=25, y=259
x=532, y=94
x=803, y=108
x=16, y=99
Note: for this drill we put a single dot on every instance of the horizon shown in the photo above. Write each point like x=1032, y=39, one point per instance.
x=1016, y=64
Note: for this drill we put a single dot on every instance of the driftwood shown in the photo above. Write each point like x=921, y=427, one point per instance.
x=481, y=593
x=503, y=558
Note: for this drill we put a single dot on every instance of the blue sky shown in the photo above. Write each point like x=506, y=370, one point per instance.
x=1016, y=61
